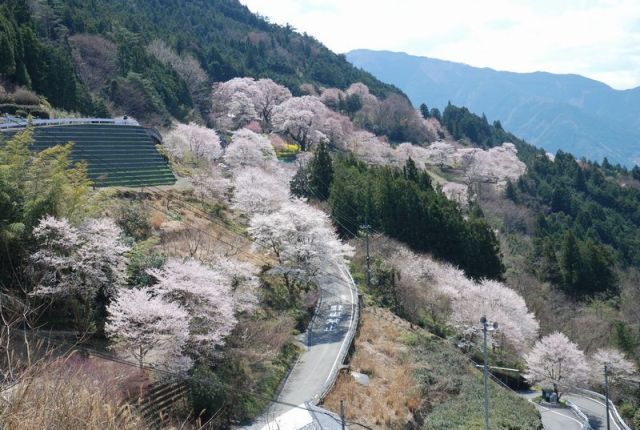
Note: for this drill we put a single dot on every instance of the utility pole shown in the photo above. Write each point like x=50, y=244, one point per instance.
x=342, y=414
x=366, y=227
x=606, y=392
x=485, y=328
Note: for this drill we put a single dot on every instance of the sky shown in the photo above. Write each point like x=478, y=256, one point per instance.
x=599, y=39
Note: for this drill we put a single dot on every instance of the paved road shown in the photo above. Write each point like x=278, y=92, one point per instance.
x=324, y=341
x=554, y=418
x=595, y=410
x=558, y=418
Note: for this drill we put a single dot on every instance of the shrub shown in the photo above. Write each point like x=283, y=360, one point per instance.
x=133, y=219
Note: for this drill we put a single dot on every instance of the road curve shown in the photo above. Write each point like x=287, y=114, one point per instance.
x=595, y=410
x=554, y=418
x=558, y=418
x=327, y=340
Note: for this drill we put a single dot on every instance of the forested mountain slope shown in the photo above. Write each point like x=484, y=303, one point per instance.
x=568, y=112
x=97, y=56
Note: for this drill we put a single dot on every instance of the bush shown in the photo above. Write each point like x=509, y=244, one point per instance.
x=133, y=219
x=143, y=257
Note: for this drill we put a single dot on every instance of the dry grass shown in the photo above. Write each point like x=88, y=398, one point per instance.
x=73, y=393
x=393, y=395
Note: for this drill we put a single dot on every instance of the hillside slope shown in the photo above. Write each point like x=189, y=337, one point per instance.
x=104, y=48
x=568, y=112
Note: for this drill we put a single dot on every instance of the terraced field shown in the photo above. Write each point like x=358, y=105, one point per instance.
x=117, y=155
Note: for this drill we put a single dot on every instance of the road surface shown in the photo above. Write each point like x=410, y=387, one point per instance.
x=595, y=410
x=554, y=418
x=326, y=340
x=559, y=418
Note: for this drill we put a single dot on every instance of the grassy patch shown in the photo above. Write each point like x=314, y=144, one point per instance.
x=453, y=393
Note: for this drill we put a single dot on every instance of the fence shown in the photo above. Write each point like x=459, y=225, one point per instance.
x=584, y=421
x=346, y=344
x=15, y=122
x=612, y=408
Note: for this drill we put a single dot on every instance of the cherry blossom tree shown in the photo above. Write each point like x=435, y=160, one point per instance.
x=258, y=191
x=139, y=324
x=369, y=148
x=618, y=367
x=243, y=279
x=79, y=263
x=248, y=149
x=266, y=96
x=499, y=304
x=426, y=282
x=331, y=98
x=191, y=143
x=212, y=184
x=80, y=260
x=302, y=241
x=240, y=100
x=205, y=294
x=308, y=121
x=556, y=361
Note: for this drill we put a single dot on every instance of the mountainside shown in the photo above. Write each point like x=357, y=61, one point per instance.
x=154, y=59
x=568, y=112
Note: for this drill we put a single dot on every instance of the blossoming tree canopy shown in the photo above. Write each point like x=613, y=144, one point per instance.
x=143, y=325
x=79, y=260
x=555, y=361
x=191, y=143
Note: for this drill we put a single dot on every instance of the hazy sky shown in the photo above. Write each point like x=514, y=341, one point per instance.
x=598, y=39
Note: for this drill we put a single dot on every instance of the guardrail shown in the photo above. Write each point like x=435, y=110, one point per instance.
x=585, y=425
x=11, y=122
x=612, y=408
x=346, y=344
x=154, y=134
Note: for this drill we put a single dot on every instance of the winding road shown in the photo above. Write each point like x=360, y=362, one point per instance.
x=327, y=341
x=554, y=418
x=559, y=418
x=595, y=410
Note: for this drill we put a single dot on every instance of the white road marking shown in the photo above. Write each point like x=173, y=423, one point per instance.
x=558, y=413
x=605, y=407
x=335, y=363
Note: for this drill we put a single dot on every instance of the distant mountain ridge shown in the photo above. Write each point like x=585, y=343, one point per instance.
x=568, y=112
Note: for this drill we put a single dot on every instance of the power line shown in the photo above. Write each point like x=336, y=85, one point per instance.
x=266, y=247
x=183, y=376
x=184, y=206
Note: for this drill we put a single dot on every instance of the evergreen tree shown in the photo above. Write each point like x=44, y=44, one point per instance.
x=410, y=170
x=570, y=263
x=424, y=110
x=435, y=113
x=298, y=184
x=624, y=338
x=353, y=104
x=580, y=183
x=549, y=268
x=510, y=192
x=598, y=276
x=321, y=172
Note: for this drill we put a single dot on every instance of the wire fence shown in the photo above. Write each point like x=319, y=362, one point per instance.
x=15, y=122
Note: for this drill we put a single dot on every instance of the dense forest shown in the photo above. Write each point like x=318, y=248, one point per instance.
x=88, y=56
x=588, y=214
x=404, y=204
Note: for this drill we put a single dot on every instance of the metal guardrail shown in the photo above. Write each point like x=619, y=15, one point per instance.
x=346, y=344
x=13, y=122
x=612, y=408
x=582, y=417
x=154, y=134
